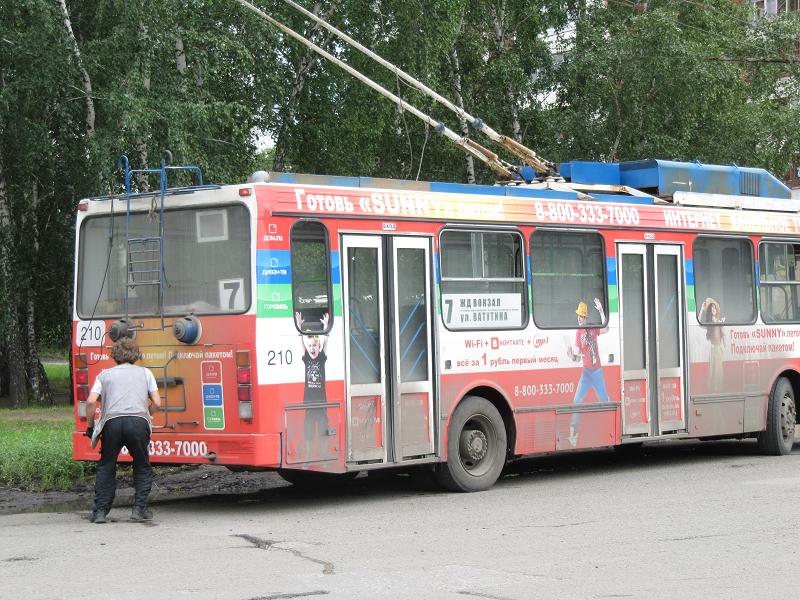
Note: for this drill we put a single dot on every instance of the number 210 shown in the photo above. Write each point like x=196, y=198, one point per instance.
x=284, y=357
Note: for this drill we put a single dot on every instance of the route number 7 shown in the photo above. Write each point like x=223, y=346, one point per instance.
x=231, y=294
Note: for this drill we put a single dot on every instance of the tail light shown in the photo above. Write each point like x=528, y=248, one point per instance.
x=82, y=382
x=244, y=390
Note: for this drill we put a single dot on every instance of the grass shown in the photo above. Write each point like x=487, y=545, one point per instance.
x=58, y=377
x=36, y=449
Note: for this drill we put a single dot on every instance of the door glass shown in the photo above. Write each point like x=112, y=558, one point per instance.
x=633, y=311
x=365, y=328
x=668, y=324
x=412, y=311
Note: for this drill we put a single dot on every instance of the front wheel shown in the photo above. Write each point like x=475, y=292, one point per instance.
x=476, y=447
x=781, y=420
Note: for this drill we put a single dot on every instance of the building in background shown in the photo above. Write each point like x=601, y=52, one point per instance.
x=773, y=7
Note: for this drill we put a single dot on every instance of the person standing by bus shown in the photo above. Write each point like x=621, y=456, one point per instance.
x=586, y=348
x=711, y=318
x=315, y=425
x=124, y=421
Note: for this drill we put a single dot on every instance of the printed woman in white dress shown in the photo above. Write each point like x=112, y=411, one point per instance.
x=711, y=318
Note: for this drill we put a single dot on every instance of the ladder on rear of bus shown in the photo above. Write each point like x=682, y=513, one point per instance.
x=144, y=256
x=144, y=264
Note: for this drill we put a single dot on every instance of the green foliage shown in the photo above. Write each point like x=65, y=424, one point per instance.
x=36, y=450
x=681, y=80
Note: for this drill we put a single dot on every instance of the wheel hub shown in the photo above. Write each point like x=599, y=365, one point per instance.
x=474, y=444
x=788, y=417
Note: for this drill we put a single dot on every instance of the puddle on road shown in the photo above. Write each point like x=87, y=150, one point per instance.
x=40, y=506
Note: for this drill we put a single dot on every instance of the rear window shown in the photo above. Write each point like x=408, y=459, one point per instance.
x=206, y=263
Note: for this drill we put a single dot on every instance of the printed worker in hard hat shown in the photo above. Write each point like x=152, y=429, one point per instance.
x=586, y=348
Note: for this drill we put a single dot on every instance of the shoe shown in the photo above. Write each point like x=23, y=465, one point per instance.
x=141, y=514
x=98, y=517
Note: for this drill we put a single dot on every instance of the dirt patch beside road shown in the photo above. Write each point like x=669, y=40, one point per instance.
x=191, y=482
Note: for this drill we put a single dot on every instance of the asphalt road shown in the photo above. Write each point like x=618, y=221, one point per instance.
x=710, y=520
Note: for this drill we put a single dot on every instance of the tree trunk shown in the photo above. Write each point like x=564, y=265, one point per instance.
x=17, y=389
x=87, y=82
x=44, y=394
x=142, y=181
x=3, y=369
x=499, y=14
x=306, y=62
x=180, y=56
x=455, y=79
x=40, y=389
x=9, y=316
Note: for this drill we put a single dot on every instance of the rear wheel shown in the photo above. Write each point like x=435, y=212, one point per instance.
x=476, y=447
x=781, y=420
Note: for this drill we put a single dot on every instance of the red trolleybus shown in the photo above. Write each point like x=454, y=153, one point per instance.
x=334, y=325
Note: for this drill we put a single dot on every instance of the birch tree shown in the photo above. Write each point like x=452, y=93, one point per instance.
x=685, y=81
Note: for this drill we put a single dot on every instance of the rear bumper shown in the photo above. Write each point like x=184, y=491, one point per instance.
x=252, y=449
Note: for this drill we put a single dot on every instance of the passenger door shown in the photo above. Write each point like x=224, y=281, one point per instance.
x=651, y=307
x=387, y=316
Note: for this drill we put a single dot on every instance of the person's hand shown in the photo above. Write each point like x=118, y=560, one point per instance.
x=89, y=431
x=598, y=305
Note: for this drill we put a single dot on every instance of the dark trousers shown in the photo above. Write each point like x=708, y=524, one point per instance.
x=134, y=434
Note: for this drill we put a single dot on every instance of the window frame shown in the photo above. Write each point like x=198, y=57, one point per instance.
x=328, y=272
x=250, y=274
x=604, y=267
x=767, y=284
x=753, y=273
x=524, y=279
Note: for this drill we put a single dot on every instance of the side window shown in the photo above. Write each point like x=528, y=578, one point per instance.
x=311, y=277
x=723, y=281
x=568, y=270
x=779, y=282
x=483, y=280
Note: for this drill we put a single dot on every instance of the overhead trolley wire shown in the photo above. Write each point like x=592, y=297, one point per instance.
x=496, y=164
x=527, y=155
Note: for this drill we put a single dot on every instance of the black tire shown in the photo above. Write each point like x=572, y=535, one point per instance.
x=781, y=419
x=476, y=447
x=316, y=479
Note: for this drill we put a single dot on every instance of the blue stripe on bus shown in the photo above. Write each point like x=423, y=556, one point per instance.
x=611, y=267
x=273, y=266
x=336, y=277
x=464, y=188
x=540, y=194
x=528, y=276
x=689, y=271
